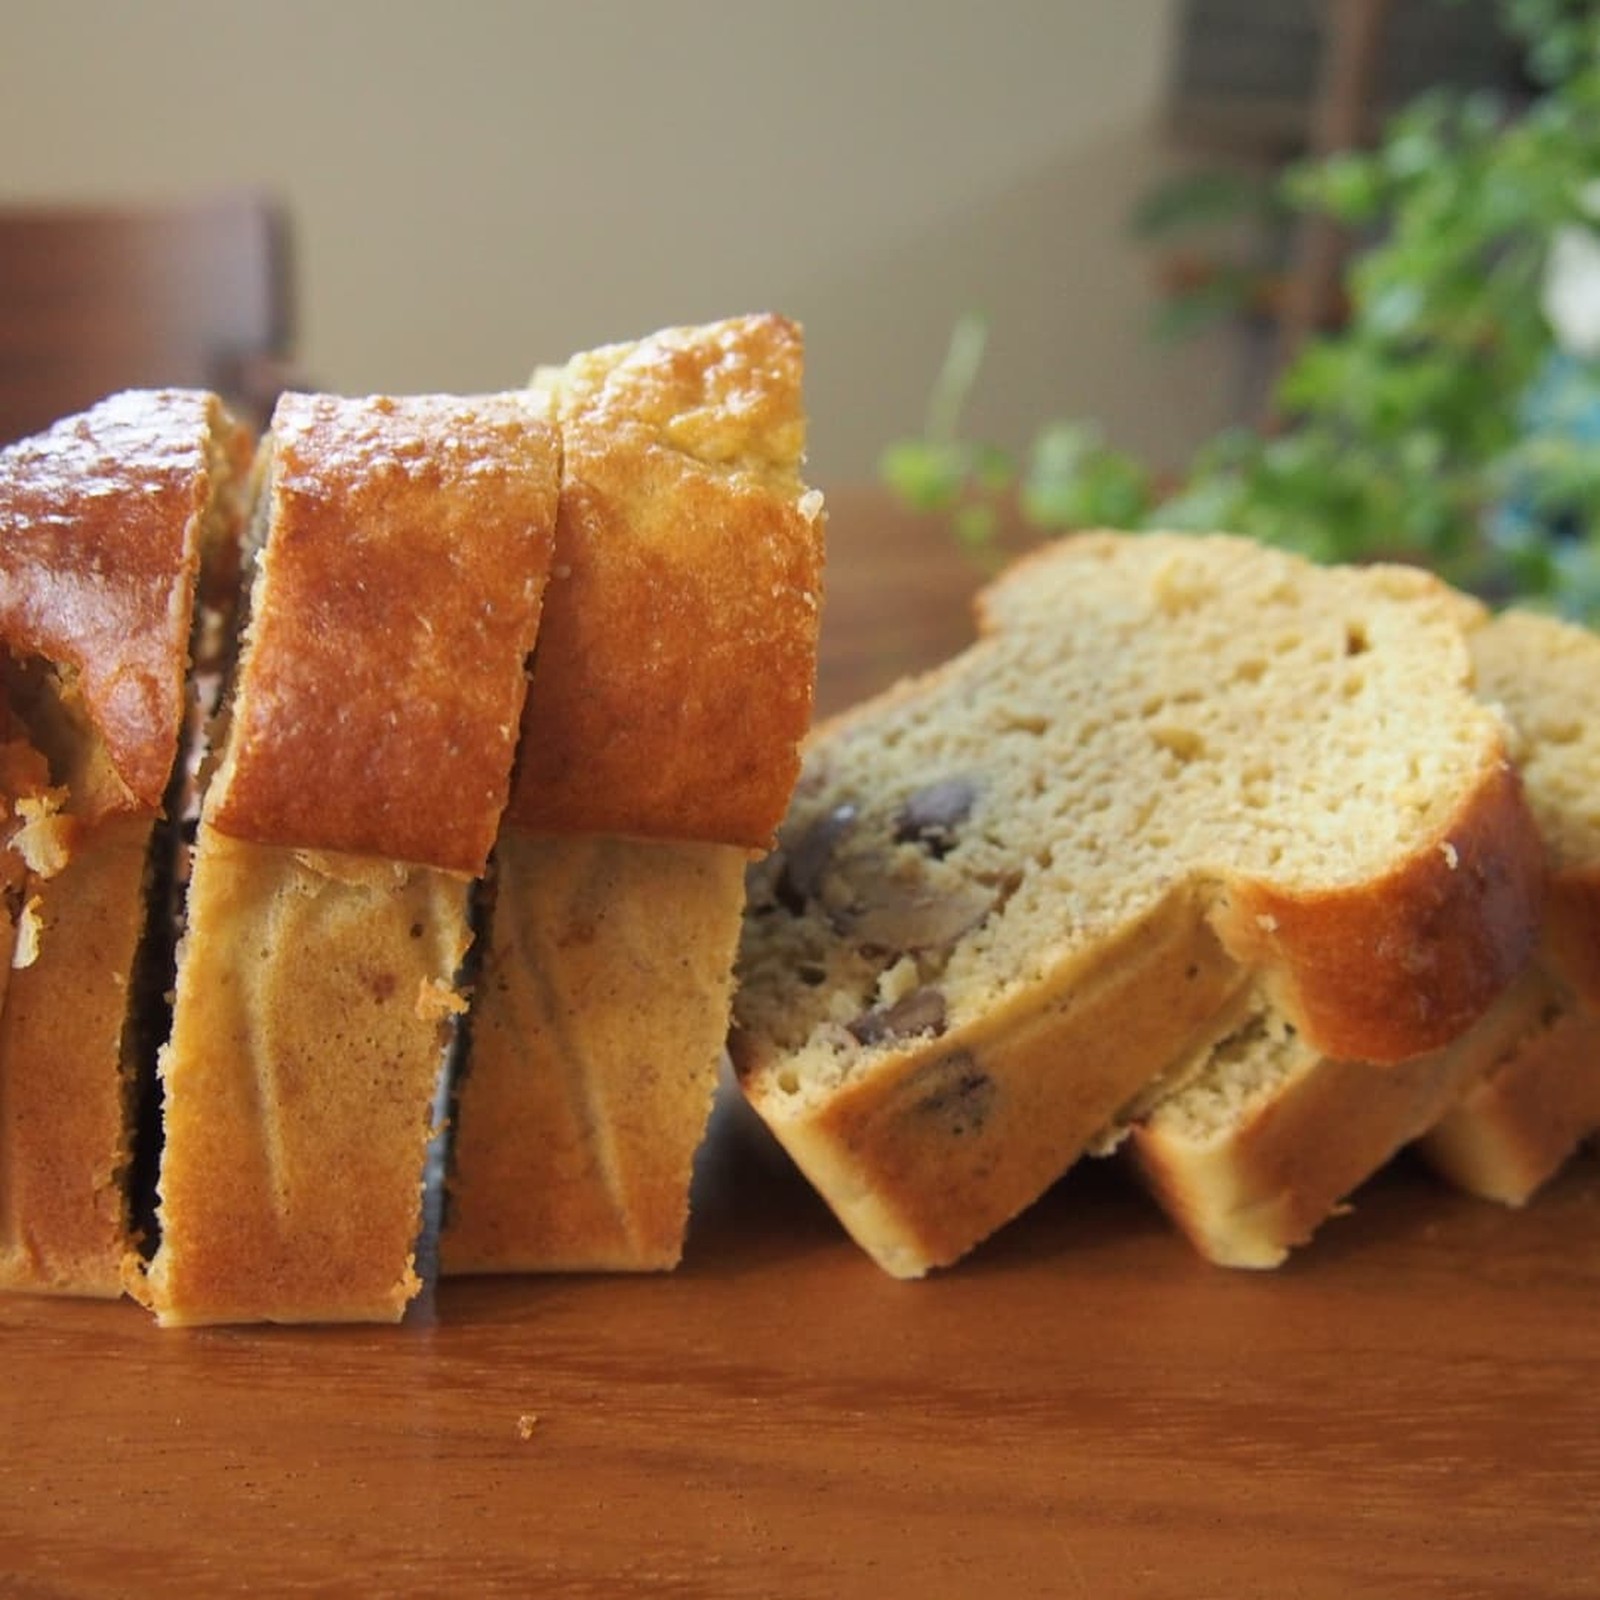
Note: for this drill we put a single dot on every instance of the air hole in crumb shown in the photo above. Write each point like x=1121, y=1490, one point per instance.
x=1356, y=642
x=1184, y=743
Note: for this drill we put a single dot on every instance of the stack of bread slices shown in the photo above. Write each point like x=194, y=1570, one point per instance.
x=420, y=765
x=1254, y=869
x=288, y=819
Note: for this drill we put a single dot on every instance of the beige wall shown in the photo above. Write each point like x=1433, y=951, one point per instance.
x=477, y=186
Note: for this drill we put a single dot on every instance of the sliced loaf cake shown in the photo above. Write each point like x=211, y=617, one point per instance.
x=1177, y=779
x=1267, y=1137
x=670, y=692
x=1540, y=1095
x=109, y=525
x=364, y=766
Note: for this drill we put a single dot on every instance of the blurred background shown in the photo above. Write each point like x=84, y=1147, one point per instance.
x=476, y=187
x=1322, y=271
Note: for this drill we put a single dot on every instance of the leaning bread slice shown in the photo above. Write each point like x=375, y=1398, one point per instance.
x=366, y=761
x=109, y=525
x=1520, y=1120
x=1266, y=1138
x=660, y=741
x=1177, y=776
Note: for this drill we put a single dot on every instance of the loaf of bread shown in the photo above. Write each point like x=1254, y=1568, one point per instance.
x=364, y=767
x=110, y=523
x=671, y=689
x=1540, y=1095
x=1177, y=780
x=1266, y=1138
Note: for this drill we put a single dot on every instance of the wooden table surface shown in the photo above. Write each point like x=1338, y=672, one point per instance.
x=1411, y=1407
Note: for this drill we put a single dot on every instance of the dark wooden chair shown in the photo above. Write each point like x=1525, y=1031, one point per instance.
x=98, y=299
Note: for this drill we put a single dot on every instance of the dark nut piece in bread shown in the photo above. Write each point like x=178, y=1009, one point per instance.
x=800, y=878
x=921, y=1011
x=932, y=815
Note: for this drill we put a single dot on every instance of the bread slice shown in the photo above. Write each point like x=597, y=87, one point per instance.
x=33, y=835
x=1178, y=777
x=1267, y=1137
x=597, y=1026
x=108, y=525
x=670, y=691
x=1540, y=1097
x=366, y=761
x=676, y=664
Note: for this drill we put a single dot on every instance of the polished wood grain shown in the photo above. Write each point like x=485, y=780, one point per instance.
x=1410, y=1408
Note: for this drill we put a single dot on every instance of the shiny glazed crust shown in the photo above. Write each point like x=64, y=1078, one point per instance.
x=99, y=557
x=408, y=543
x=676, y=663
x=109, y=524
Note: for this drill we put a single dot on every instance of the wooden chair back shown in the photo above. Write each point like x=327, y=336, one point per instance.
x=95, y=299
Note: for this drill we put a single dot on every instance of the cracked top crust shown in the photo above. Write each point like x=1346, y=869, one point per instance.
x=674, y=677
x=396, y=600
x=102, y=518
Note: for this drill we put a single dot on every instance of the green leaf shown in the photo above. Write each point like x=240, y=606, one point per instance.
x=1228, y=293
x=928, y=477
x=993, y=470
x=1348, y=187
x=974, y=525
x=1199, y=199
x=1074, y=481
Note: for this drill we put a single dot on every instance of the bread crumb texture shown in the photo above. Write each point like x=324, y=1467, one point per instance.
x=1142, y=713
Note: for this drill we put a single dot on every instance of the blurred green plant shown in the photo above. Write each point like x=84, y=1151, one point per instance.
x=1450, y=419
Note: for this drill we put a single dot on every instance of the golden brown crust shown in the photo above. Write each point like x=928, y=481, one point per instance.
x=1572, y=929
x=64, y=1085
x=597, y=1026
x=676, y=663
x=1516, y=1126
x=299, y=1081
x=1388, y=970
x=1276, y=1183
x=408, y=540
x=98, y=561
x=108, y=524
x=1519, y=1122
